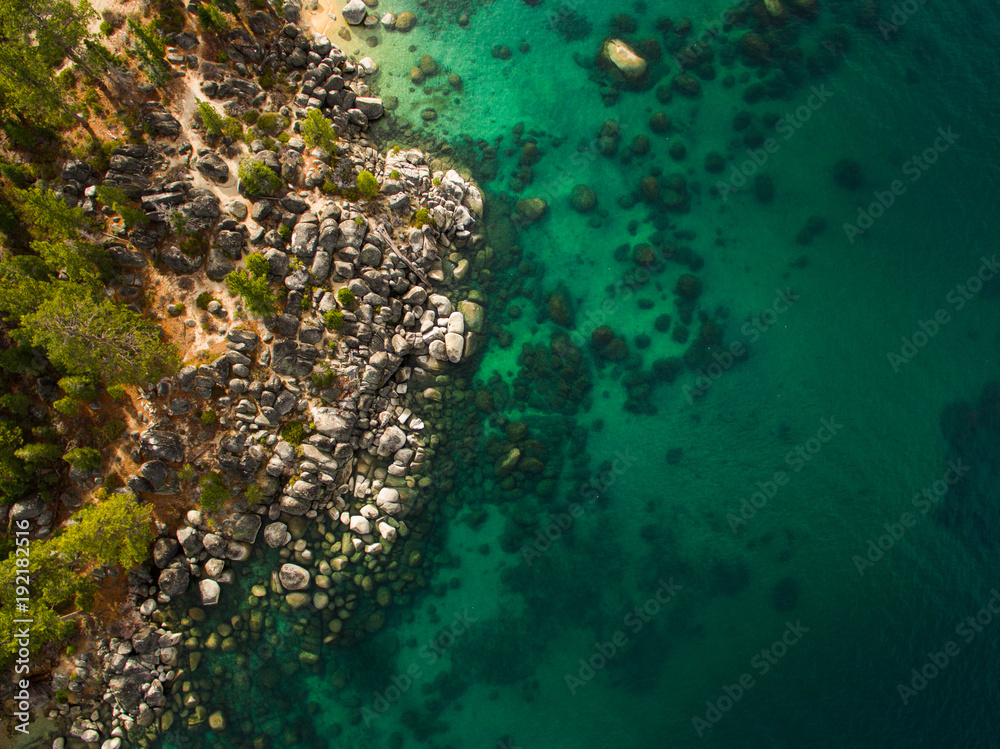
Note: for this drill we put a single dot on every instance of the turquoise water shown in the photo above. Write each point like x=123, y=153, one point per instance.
x=489, y=653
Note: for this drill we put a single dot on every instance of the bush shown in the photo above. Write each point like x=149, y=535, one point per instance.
x=394, y=174
x=346, y=298
x=203, y=299
x=271, y=123
x=257, y=265
x=16, y=403
x=70, y=407
x=318, y=132
x=293, y=433
x=255, y=292
x=186, y=473
x=368, y=186
x=421, y=218
x=109, y=431
x=213, y=492
x=210, y=118
x=83, y=458
x=78, y=387
x=179, y=309
x=116, y=199
x=285, y=232
x=211, y=19
x=37, y=453
x=334, y=319
x=254, y=495
x=257, y=179
x=208, y=417
x=233, y=128
x=117, y=392
x=251, y=116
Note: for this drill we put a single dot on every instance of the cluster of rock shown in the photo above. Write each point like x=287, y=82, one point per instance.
x=361, y=467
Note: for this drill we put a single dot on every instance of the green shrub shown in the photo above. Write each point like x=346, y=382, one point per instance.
x=116, y=199
x=78, y=387
x=211, y=120
x=254, y=495
x=233, y=128
x=334, y=319
x=293, y=433
x=213, y=492
x=208, y=417
x=285, y=232
x=421, y=218
x=257, y=265
x=270, y=123
x=194, y=245
x=38, y=453
x=394, y=174
x=83, y=458
x=222, y=57
x=109, y=431
x=251, y=116
x=211, y=19
x=117, y=392
x=179, y=309
x=255, y=292
x=186, y=473
x=16, y=403
x=345, y=298
x=368, y=186
x=318, y=132
x=68, y=406
x=106, y=28
x=257, y=179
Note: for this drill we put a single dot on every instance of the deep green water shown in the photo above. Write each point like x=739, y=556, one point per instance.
x=856, y=434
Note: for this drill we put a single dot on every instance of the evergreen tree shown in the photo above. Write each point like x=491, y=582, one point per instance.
x=93, y=336
x=317, y=131
x=151, y=51
x=253, y=290
x=115, y=531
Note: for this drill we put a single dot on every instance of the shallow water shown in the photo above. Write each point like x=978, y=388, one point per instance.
x=481, y=658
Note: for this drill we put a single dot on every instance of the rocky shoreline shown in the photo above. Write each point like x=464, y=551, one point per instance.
x=336, y=493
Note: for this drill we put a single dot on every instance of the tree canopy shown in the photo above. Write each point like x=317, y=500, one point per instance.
x=93, y=336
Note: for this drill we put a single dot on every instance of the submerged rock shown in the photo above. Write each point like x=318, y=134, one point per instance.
x=622, y=57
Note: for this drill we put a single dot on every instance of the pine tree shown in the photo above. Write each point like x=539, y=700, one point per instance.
x=83, y=334
x=253, y=290
x=114, y=531
x=151, y=52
